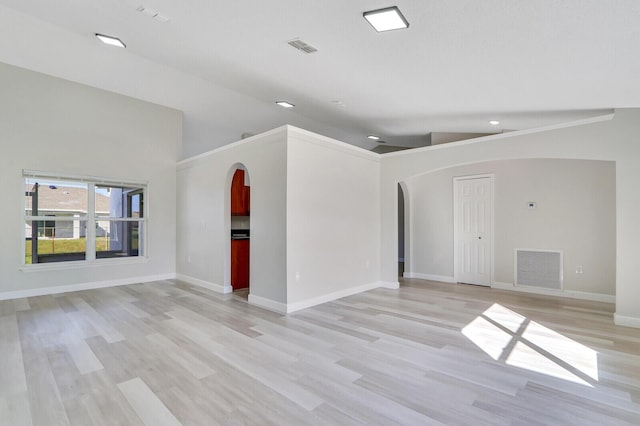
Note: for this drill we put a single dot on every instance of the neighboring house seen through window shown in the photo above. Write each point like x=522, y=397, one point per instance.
x=81, y=219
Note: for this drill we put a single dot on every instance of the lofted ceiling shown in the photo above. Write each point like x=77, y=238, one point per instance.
x=460, y=63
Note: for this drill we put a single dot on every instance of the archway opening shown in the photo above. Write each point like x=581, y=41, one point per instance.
x=240, y=230
x=401, y=230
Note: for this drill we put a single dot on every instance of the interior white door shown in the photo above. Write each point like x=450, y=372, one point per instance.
x=473, y=230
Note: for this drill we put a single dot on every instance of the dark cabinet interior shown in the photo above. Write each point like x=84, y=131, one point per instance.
x=239, y=264
x=246, y=194
x=240, y=195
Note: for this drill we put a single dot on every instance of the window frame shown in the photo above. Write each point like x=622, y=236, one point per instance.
x=134, y=189
x=91, y=219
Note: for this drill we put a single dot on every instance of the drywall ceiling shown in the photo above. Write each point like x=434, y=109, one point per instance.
x=460, y=63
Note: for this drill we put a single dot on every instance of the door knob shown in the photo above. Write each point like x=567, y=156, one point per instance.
x=479, y=238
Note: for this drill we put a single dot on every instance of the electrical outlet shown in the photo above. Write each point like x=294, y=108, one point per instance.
x=579, y=269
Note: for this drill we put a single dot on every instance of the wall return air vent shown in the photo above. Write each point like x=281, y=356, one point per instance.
x=302, y=46
x=538, y=268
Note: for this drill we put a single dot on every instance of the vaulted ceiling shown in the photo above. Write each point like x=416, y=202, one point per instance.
x=459, y=64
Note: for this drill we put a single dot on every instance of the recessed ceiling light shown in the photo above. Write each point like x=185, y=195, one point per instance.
x=373, y=137
x=285, y=104
x=389, y=18
x=113, y=41
x=494, y=122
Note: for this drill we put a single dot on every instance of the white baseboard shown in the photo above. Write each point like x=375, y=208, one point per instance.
x=269, y=304
x=394, y=285
x=303, y=304
x=583, y=295
x=430, y=277
x=43, y=291
x=626, y=321
x=206, y=284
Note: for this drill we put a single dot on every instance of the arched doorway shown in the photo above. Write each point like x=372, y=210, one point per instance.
x=240, y=225
x=403, y=227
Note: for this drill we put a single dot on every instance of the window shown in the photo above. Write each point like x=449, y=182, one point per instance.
x=82, y=219
x=118, y=211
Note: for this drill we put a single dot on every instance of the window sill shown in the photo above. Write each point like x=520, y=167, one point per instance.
x=81, y=264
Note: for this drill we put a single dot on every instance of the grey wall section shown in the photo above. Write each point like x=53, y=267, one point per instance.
x=608, y=138
x=333, y=227
x=575, y=213
x=54, y=125
x=204, y=214
x=431, y=225
x=315, y=230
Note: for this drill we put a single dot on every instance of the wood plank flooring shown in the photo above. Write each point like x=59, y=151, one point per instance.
x=429, y=353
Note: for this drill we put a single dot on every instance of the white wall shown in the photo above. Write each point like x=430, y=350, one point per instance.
x=315, y=227
x=333, y=226
x=53, y=125
x=575, y=213
x=615, y=139
x=203, y=202
x=430, y=227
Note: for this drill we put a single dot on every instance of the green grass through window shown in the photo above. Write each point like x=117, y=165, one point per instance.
x=51, y=246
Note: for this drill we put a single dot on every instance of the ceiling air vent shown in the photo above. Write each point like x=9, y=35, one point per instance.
x=152, y=14
x=301, y=45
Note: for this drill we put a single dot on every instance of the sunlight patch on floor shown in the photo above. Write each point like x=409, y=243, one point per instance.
x=509, y=337
x=487, y=337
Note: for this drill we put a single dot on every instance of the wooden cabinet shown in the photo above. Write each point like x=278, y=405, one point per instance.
x=239, y=195
x=239, y=264
x=246, y=194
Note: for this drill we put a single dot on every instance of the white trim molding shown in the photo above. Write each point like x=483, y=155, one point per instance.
x=393, y=285
x=45, y=291
x=430, y=277
x=330, y=143
x=206, y=284
x=495, y=136
x=81, y=264
x=186, y=163
x=329, y=297
x=573, y=294
x=626, y=321
x=272, y=305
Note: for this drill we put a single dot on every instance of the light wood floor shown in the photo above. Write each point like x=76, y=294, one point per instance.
x=167, y=353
